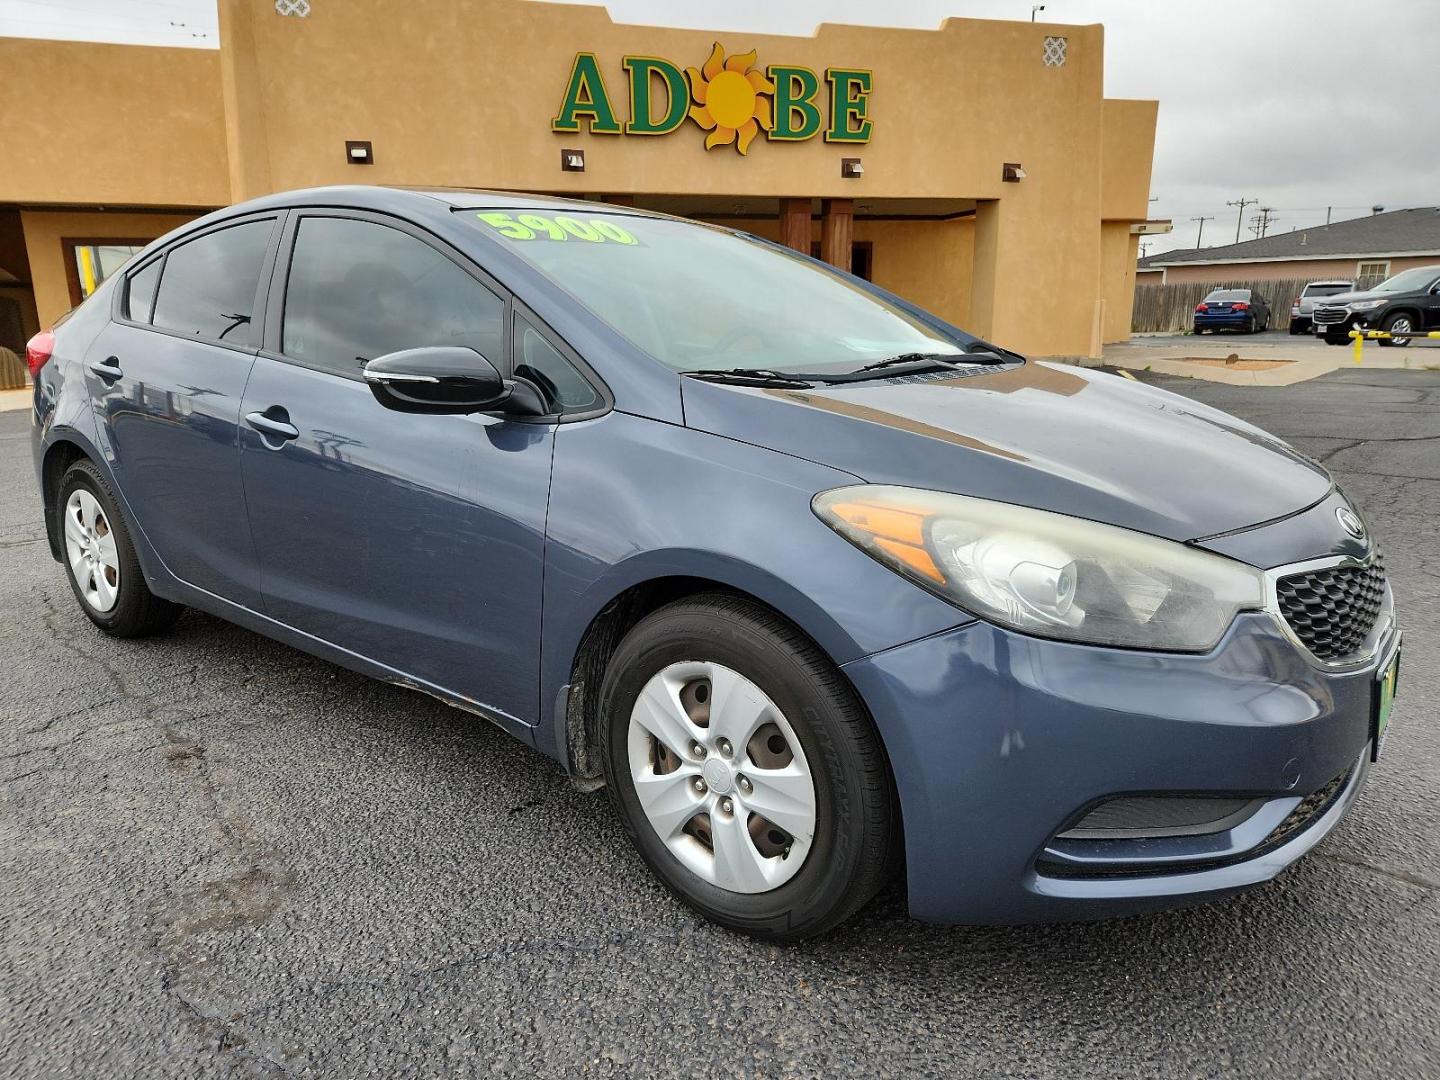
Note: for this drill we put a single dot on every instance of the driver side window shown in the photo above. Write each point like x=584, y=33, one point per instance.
x=358, y=290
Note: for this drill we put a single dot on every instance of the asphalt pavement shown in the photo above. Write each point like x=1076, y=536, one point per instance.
x=220, y=857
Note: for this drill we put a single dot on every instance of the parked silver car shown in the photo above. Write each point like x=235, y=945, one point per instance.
x=1302, y=310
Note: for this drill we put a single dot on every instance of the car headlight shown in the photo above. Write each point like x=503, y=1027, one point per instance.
x=1047, y=574
x=1367, y=305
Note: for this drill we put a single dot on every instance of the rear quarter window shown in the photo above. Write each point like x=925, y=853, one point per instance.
x=140, y=293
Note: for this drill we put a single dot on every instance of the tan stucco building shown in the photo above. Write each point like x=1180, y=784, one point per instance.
x=995, y=184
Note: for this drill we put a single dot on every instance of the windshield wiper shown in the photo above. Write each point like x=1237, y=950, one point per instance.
x=749, y=376
x=938, y=359
x=977, y=352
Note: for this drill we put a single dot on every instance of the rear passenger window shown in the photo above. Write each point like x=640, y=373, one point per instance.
x=540, y=362
x=208, y=289
x=358, y=290
x=140, y=296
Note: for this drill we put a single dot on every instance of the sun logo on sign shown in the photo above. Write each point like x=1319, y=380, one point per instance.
x=730, y=99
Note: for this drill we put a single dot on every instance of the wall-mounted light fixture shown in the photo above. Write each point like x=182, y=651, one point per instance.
x=359, y=152
x=572, y=160
x=851, y=169
x=1013, y=173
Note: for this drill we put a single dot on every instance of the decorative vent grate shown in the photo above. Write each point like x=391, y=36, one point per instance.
x=1055, y=49
x=301, y=8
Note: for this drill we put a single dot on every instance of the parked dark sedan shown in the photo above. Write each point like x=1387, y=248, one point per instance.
x=814, y=582
x=1232, y=309
x=1408, y=303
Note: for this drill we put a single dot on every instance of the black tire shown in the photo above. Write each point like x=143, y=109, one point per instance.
x=1391, y=321
x=1295, y=327
x=856, y=846
x=1250, y=325
x=137, y=611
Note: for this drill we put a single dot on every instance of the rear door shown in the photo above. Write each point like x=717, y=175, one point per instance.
x=412, y=540
x=166, y=377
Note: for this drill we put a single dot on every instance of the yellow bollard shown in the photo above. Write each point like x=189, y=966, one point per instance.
x=1359, y=336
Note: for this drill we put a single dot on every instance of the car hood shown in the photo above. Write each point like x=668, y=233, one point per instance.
x=1072, y=440
x=1343, y=298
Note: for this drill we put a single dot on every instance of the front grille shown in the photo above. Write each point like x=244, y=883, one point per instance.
x=1333, y=611
x=1329, y=316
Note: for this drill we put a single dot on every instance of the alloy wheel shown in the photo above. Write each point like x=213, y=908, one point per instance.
x=721, y=776
x=90, y=551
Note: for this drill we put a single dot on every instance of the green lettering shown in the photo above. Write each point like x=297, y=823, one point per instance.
x=849, y=105
x=642, y=118
x=585, y=96
x=797, y=117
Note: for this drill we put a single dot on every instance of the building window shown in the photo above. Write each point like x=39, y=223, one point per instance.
x=1055, y=50
x=1370, y=274
x=89, y=262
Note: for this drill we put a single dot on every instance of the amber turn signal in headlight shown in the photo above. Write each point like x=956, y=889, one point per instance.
x=1044, y=573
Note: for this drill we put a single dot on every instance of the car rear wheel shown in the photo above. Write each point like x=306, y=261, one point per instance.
x=100, y=559
x=1295, y=327
x=746, y=771
x=1400, y=323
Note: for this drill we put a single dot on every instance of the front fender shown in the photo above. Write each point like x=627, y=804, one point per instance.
x=635, y=500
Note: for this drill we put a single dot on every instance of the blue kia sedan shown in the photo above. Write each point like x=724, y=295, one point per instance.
x=817, y=585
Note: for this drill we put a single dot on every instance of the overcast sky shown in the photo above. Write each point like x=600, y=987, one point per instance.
x=1301, y=104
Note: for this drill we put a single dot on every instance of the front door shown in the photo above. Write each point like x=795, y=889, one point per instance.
x=412, y=540
x=166, y=377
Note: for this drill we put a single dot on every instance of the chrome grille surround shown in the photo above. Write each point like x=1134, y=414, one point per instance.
x=1383, y=616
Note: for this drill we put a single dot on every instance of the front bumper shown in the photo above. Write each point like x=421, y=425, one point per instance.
x=999, y=740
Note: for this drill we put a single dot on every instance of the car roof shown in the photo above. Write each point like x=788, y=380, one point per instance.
x=1327, y=281
x=398, y=198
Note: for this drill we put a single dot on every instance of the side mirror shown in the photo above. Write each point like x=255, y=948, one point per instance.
x=447, y=379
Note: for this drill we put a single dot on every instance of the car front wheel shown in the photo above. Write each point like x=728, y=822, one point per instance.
x=100, y=558
x=746, y=771
x=1399, y=323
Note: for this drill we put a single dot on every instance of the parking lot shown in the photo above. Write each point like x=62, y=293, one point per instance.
x=222, y=857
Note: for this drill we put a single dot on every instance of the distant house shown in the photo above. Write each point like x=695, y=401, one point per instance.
x=1364, y=250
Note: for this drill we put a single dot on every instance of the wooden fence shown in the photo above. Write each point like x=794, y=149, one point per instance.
x=1161, y=309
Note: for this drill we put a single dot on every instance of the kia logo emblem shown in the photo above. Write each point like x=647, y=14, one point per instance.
x=1350, y=522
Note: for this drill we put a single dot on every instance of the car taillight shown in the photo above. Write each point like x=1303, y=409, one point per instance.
x=1240, y=305
x=38, y=351
x=1202, y=307
x=1296, y=305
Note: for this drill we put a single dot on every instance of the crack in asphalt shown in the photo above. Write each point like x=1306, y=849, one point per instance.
x=247, y=898
x=1406, y=876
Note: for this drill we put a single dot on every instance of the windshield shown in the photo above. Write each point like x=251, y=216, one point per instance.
x=1410, y=280
x=1227, y=296
x=700, y=298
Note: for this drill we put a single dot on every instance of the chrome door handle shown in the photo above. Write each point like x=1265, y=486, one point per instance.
x=108, y=369
x=275, y=429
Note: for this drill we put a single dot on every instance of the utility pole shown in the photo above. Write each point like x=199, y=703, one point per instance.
x=1265, y=218
x=1201, y=235
x=1240, y=218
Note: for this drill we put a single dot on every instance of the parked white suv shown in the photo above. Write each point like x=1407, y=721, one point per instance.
x=1302, y=311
